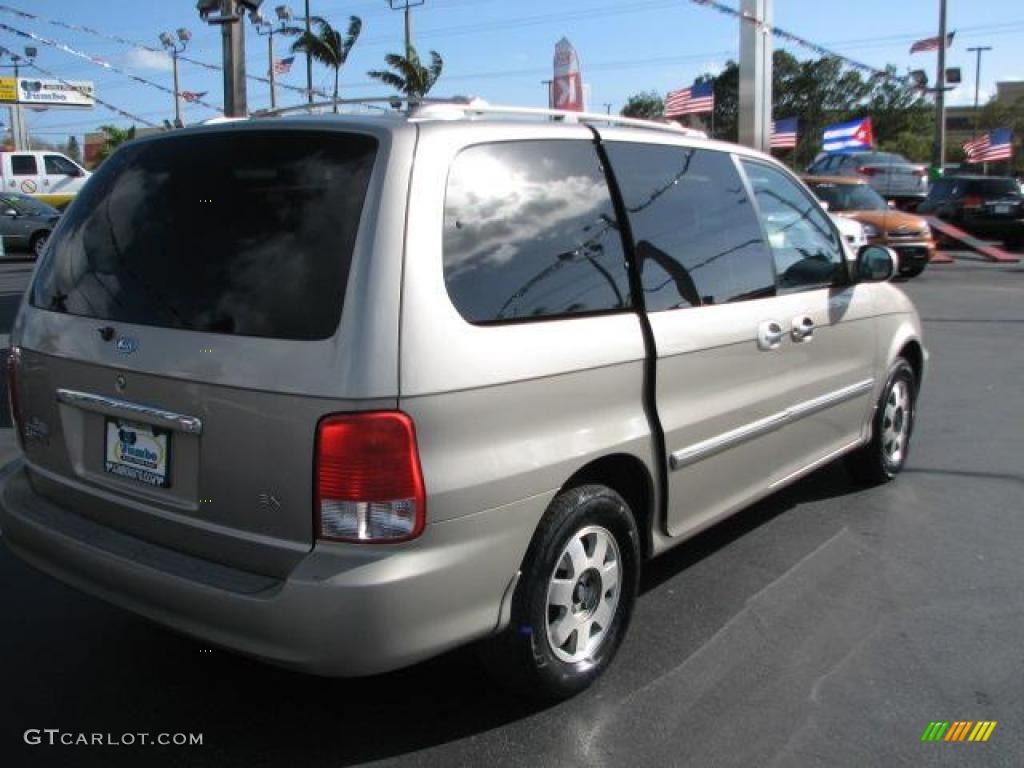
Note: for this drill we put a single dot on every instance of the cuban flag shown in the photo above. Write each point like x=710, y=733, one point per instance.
x=851, y=136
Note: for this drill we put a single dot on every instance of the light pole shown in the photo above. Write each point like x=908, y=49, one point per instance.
x=19, y=130
x=406, y=6
x=228, y=15
x=269, y=29
x=175, y=47
x=939, y=145
x=977, y=82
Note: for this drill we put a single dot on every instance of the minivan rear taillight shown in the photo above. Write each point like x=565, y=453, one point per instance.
x=369, y=484
x=973, y=201
x=867, y=170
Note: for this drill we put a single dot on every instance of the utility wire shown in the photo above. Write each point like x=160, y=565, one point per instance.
x=97, y=99
x=143, y=46
x=98, y=62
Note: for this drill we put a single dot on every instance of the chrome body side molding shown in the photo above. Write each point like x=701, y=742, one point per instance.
x=691, y=454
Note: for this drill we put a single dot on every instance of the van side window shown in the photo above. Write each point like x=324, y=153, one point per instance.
x=807, y=250
x=59, y=166
x=530, y=232
x=697, y=237
x=23, y=165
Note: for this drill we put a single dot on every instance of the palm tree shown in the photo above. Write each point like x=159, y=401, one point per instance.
x=410, y=76
x=113, y=137
x=327, y=45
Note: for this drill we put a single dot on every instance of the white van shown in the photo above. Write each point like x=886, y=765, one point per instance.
x=49, y=176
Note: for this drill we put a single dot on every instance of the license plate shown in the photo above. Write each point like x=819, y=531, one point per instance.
x=138, y=452
x=1004, y=208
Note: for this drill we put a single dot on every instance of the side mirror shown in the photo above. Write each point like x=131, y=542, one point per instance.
x=823, y=204
x=876, y=264
x=11, y=212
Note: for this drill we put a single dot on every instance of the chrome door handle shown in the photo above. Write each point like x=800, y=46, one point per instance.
x=803, y=328
x=770, y=335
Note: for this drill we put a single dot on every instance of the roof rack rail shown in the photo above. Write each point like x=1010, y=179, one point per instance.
x=460, y=108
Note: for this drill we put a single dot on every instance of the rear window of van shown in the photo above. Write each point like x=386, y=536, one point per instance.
x=244, y=232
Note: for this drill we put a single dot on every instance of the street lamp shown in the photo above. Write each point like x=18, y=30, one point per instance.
x=175, y=47
x=19, y=129
x=268, y=28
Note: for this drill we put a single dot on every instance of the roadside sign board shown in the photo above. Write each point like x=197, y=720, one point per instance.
x=40, y=92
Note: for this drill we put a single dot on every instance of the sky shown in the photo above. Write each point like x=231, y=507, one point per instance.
x=499, y=50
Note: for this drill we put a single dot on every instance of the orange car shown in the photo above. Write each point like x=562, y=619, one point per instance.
x=908, y=235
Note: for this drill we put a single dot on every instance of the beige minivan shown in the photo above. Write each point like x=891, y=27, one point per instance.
x=344, y=392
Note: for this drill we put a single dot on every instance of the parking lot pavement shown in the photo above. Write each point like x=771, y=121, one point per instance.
x=825, y=626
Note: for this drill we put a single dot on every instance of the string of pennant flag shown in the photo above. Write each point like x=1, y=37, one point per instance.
x=143, y=46
x=92, y=95
x=97, y=61
x=803, y=42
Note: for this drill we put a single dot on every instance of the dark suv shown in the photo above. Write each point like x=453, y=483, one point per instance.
x=984, y=205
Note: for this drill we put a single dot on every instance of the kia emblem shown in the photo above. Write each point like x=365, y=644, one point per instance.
x=126, y=345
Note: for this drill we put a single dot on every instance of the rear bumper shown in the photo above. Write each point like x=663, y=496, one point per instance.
x=993, y=227
x=345, y=610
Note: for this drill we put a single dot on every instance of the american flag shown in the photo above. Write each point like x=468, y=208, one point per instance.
x=784, y=133
x=931, y=43
x=283, y=66
x=192, y=96
x=997, y=145
x=691, y=101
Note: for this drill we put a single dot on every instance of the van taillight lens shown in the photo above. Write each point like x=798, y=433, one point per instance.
x=368, y=478
x=866, y=170
x=13, y=358
x=973, y=201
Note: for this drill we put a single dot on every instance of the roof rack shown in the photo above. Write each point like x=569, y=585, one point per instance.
x=465, y=108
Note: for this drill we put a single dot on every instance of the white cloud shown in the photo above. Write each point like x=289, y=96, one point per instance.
x=143, y=59
x=711, y=67
x=963, y=95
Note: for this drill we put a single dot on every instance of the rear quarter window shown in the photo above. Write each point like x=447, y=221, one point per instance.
x=530, y=233
x=243, y=232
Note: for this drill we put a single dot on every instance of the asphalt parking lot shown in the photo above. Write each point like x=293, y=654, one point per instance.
x=825, y=626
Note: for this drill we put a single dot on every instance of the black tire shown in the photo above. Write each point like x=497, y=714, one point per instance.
x=912, y=271
x=37, y=243
x=879, y=461
x=523, y=657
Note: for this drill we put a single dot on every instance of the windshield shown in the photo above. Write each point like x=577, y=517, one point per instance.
x=995, y=188
x=850, y=197
x=882, y=158
x=241, y=232
x=29, y=206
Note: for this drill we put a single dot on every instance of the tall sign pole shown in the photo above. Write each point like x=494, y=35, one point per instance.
x=755, y=105
x=233, y=44
x=939, y=145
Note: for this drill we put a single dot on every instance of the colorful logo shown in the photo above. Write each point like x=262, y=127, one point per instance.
x=958, y=730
